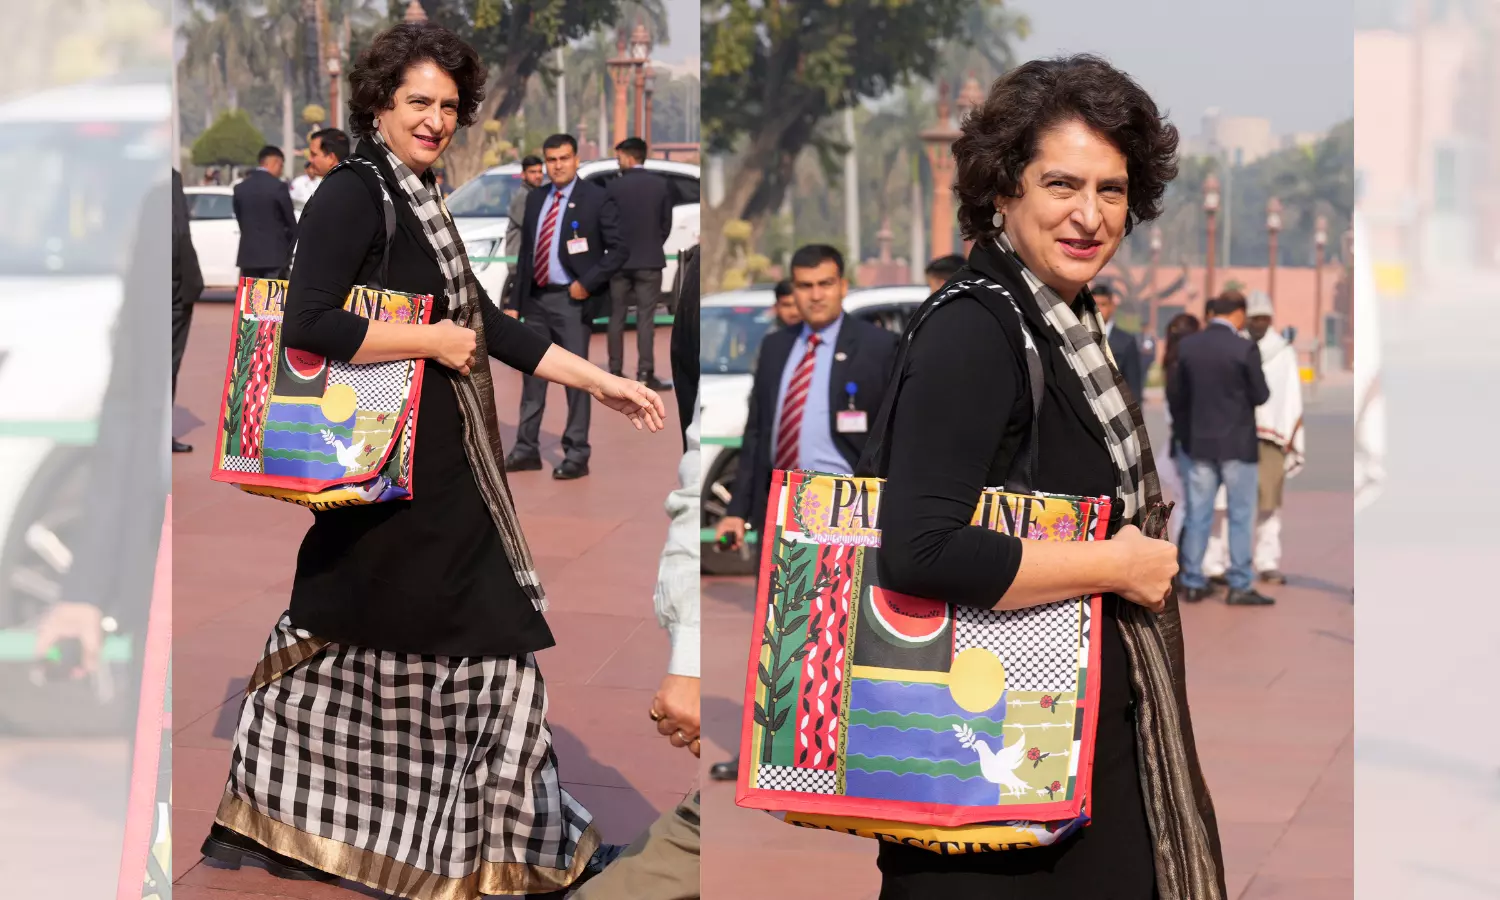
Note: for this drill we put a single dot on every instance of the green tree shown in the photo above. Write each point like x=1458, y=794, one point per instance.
x=232, y=140
x=515, y=37
x=775, y=69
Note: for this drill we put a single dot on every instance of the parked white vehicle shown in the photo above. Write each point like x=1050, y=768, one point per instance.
x=216, y=234
x=481, y=209
x=83, y=158
x=733, y=324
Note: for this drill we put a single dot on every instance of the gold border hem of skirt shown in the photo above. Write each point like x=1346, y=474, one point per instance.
x=382, y=873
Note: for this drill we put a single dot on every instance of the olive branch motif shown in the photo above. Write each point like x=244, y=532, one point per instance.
x=235, y=408
x=784, y=615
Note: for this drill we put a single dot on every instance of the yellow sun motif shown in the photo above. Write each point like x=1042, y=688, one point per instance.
x=976, y=680
x=338, y=403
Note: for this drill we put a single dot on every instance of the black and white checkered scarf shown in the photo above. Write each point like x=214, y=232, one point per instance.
x=1087, y=353
x=476, y=393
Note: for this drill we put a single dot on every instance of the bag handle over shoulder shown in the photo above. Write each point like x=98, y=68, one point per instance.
x=376, y=185
x=1021, y=476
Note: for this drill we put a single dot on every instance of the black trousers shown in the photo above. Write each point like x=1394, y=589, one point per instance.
x=182, y=323
x=644, y=285
x=558, y=318
x=266, y=272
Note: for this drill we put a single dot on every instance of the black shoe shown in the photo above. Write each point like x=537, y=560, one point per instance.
x=654, y=383
x=725, y=771
x=515, y=462
x=1218, y=581
x=180, y=447
x=230, y=849
x=1272, y=576
x=1248, y=597
x=1194, y=595
x=570, y=470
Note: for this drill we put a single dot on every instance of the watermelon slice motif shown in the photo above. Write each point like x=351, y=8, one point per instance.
x=906, y=620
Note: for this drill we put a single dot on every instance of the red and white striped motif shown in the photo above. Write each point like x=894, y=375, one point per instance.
x=258, y=390
x=792, y=407
x=823, y=667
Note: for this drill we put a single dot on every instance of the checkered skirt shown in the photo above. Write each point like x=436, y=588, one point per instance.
x=422, y=776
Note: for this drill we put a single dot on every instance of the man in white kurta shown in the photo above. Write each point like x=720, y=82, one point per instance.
x=1278, y=424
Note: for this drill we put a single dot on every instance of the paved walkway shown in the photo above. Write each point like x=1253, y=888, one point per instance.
x=1271, y=692
x=596, y=542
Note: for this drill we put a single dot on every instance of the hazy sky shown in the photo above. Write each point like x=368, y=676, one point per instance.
x=1288, y=60
x=683, y=25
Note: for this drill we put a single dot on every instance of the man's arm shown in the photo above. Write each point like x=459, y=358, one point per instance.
x=524, y=255
x=613, y=259
x=666, y=210
x=677, y=592
x=288, y=214
x=746, y=478
x=1260, y=392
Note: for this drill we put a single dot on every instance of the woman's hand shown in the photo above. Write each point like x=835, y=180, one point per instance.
x=1148, y=567
x=453, y=345
x=639, y=403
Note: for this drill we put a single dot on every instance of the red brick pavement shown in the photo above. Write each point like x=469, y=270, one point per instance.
x=596, y=542
x=1272, y=699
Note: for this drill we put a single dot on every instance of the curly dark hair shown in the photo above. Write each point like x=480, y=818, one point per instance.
x=1001, y=137
x=381, y=69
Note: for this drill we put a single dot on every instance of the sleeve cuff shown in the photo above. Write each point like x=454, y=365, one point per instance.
x=685, y=649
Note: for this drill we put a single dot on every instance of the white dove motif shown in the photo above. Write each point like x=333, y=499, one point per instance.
x=997, y=768
x=348, y=456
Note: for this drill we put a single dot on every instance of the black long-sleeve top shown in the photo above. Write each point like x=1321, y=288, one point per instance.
x=960, y=409
x=426, y=575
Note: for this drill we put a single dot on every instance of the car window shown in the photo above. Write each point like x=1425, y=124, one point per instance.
x=487, y=196
x=729, y=338
x=684, y=190
x=211, y=206
x=890, y=316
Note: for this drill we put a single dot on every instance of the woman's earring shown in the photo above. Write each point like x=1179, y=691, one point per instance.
x=998, y=219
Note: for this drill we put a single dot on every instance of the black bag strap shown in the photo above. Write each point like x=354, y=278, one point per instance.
x=1021, y=475
x=376, y=184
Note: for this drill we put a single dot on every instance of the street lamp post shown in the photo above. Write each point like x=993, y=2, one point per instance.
x=640, y=52
x=1320, y=242
x=619, y=73
x=938, y=141
x=1210, y=212
x=1273, y=228
x=335, y=112
x=650, y=95
x=1151, y=327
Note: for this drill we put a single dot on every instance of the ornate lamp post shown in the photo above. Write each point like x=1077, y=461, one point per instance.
x=1320, y=243
x=1151, y=298
x=939, y=143
x=619, y=73
x=640, y=52
x=1273, y=228
x=1210, y=212
x=335, y=69
x=650, y=96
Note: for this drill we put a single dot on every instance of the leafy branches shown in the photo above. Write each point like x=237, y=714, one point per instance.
x=790, y=594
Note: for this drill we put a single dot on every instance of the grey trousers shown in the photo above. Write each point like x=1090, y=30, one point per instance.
x=558, y=318
x=645, y=286
x=661, y=864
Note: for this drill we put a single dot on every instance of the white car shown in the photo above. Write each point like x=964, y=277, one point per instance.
x=733, y=324
x=84, y=157
x=481, y=209
x=216, y=234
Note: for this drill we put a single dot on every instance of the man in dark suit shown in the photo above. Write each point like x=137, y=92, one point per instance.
x=1123, y=345
x=645, y=203
x=187, y=286
x=1219, y=383
x=268, y=226
x=570, y=248
x=816, y=391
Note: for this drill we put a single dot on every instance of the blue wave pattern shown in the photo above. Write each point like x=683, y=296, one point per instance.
x=304, y=442
x=920, y=701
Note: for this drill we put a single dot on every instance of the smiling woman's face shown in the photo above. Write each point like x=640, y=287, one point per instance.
x=423, y=116
x=1070, y=217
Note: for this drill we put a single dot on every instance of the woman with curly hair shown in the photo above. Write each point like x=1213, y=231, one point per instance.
x=395, y=732
x=1054, y=169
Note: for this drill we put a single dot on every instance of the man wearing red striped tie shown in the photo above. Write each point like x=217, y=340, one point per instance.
x=817, y=389
x=570, y=246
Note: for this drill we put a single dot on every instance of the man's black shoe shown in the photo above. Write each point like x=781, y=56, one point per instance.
x=725, y=771
x=515, y=462
x=570, y=470
x=654, y=383
x=1248, y=597
x=180, y=447
x=230, y=849
x=1194, y=595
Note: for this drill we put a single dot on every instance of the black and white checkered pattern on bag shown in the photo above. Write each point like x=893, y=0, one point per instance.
x=1086, y=353
x=788, y=778
x=376, y=388
x=435, y=762
x=1038, y=645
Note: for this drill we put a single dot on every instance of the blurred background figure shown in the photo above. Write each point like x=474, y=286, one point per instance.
x=787, y=314
x=187, y=287
x=267, y=220
x=1124, y=345
x=941, y=269
x=645, y=202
